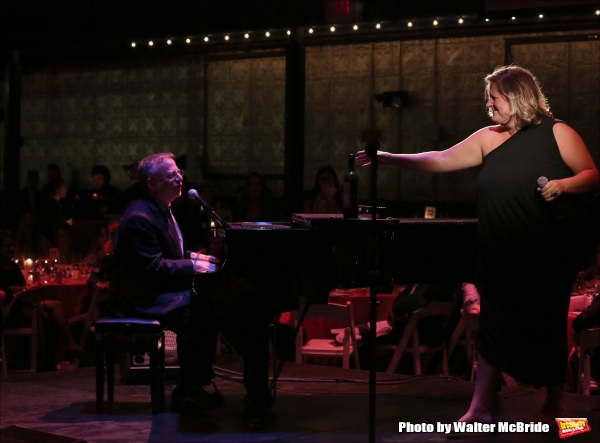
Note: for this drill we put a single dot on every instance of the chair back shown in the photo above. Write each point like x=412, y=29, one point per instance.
x=434, y=308
x=334, y=312
x=34, y=330
x=331, y=310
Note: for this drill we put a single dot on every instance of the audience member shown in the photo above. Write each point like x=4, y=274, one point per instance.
x=31, y=198
x=132, y=193
x=255, y=203
x=31, y=243
x=58, y=209
x=101, y=236
x=105, y=194
x=20, y=314
x=325, y=198
x=63, y=239
x=53, y=173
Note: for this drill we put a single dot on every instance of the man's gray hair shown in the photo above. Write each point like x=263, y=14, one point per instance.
x=147, y=166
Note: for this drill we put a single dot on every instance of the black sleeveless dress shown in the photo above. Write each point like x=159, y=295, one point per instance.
x=526, y=268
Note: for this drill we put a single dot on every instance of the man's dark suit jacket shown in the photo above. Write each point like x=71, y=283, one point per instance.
x=150, y=276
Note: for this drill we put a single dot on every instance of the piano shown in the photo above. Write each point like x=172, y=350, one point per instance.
x=270, y=267
x=278, y=264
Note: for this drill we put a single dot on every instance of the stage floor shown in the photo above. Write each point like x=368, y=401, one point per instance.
x=314, y=404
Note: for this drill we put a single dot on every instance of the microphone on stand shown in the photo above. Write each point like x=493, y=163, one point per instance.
x=193, y=195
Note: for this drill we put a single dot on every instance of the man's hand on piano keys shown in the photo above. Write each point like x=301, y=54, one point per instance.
x=204, y=263
x=204, y=266
x=203, y=257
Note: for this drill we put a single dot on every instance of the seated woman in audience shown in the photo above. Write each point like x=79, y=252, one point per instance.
x=31, y=243
x=255, y=203
x=101, y=236
x=105, y=194
x=58, y=208
x=63, y=239
x=326, y=198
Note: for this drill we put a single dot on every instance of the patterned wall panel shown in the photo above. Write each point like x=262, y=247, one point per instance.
x=111, y=114
x=569, y=73
x=340, y=82
x=116, y=113
x=246, y=119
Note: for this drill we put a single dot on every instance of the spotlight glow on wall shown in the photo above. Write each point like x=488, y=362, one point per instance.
x=187, y=40
x=310, y=31
x=435, y=23
x=541, y=15
x=150, y=43
x=378, y=25
x=487, y=19
x=410, y=24
x=226, y=37
x=355, y=27
x=332, y=29
x=267, y=34
x=461, y=21
x=246, y=35
x=289, y=32
x=133, y=45
x=513, y=18
x=205, y=39
x=169, y=42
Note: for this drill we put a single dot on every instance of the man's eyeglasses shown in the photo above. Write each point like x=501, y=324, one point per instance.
x=174, y=174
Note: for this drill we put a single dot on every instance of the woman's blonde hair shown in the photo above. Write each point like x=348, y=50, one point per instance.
x=523, y=92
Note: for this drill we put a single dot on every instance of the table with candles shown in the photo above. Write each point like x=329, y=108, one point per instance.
x=54, y=281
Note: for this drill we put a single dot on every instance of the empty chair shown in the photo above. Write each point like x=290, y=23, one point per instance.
x=327, y=346
x=409, y=341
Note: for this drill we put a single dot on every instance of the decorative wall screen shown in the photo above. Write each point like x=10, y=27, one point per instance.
x=245, y=119
x=111, y=113
x=569, y=72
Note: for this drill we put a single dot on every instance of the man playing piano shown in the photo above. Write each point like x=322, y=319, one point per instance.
x=153, y=275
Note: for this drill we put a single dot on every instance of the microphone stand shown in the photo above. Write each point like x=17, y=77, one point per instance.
x=371, y=152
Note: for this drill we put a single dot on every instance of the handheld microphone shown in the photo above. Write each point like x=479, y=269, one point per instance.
x=193, y=195
x=542, y=181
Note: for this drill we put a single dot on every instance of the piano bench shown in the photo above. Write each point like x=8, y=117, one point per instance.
x=129, y=334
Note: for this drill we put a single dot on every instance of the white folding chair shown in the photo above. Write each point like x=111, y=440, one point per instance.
x=327, y=346
x=411, y=334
